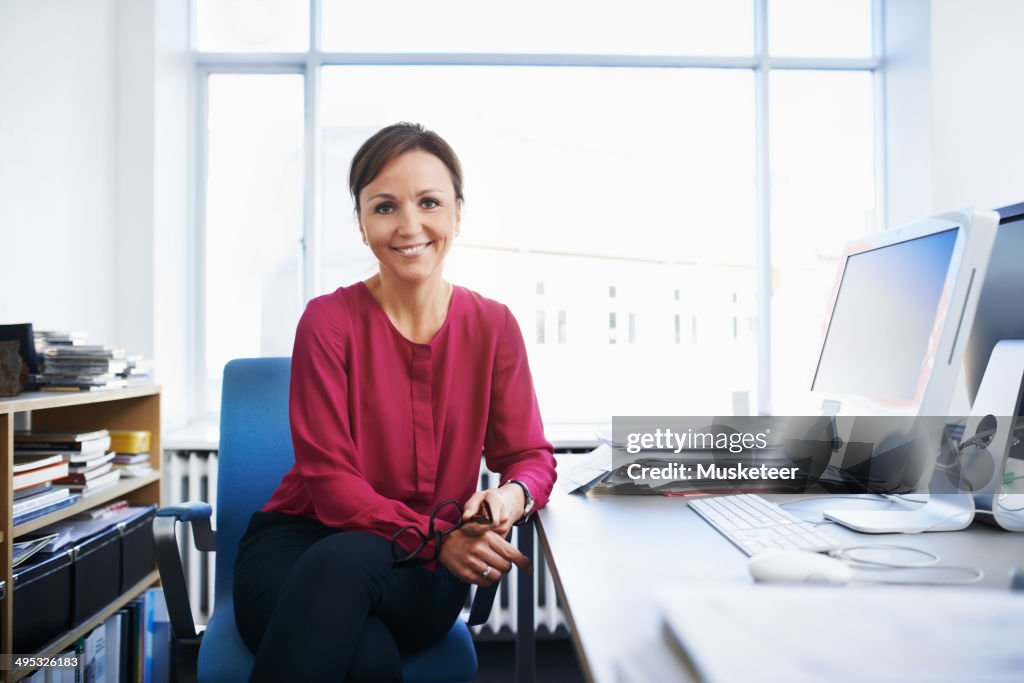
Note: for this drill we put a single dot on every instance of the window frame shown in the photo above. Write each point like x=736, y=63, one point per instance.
x=310, y=64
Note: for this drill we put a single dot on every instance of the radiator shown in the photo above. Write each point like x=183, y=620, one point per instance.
x=548, y=617
x=192, y=475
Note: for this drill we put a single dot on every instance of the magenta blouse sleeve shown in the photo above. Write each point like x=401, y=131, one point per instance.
x=325, y=455
x=515, y=445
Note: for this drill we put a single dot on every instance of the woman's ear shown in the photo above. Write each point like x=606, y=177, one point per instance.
x=362, y=233
x=458, y=217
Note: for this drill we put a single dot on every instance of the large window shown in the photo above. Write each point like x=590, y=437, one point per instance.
x=659, y=194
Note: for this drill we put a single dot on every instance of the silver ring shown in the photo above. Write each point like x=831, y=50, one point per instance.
x=486, y=572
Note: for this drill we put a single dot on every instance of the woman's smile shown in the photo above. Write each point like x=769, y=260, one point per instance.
x=412, y=250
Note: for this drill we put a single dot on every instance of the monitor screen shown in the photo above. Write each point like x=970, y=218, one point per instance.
x=883, y=318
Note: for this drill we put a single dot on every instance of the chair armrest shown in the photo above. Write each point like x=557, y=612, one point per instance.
x=168, y=560
x=198, y=514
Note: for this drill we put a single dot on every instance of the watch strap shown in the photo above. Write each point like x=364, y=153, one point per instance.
x=528, y=508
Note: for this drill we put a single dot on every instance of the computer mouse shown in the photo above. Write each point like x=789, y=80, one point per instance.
x=798, y=566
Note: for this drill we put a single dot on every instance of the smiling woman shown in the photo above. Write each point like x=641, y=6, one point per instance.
x=397, y=385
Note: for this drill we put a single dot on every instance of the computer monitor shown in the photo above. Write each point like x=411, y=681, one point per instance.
x=903, y=304
x=993, y=372
x=1000, y=312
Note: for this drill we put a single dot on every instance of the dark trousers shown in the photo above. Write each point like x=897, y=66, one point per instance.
x=320, y=604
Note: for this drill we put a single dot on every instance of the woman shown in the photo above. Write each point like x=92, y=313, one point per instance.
x=397, y=385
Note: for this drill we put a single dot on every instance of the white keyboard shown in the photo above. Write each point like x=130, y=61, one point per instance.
x=753, y=525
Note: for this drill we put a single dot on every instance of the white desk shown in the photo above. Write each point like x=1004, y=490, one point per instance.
x=608, y=553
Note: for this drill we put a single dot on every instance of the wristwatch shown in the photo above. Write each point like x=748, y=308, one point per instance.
x=528, y=508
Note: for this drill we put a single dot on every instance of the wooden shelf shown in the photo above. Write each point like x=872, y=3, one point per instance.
x=68, y=639
x=118, y=490
x=41, y=400
x=136, y=407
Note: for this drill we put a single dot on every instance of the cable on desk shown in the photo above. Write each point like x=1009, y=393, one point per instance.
x=847, y=555
x=975, y=574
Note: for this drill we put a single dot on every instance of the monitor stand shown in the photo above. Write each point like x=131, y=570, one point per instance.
x=947, y=506
x=941, y=512
x=995, y=407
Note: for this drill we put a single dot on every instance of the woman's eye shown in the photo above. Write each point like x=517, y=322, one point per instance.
x=430, y=203
x=384, y=209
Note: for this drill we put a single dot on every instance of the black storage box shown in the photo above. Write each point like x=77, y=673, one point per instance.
x=138, y=549
x=42, y=601
x=96, y=575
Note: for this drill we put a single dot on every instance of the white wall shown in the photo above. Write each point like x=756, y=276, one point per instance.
x=172, y=207
x=908, y=158
x=94, y=198
x=153, y=150
x=57, y=174
x=977, y=57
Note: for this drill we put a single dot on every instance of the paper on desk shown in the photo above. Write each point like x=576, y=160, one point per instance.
x=800, y=634
x=585, y=469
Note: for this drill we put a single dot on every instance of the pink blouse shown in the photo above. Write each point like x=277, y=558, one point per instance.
x=384, y=429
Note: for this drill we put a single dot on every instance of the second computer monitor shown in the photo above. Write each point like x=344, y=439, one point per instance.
x=1000, y=310
x=903, y=305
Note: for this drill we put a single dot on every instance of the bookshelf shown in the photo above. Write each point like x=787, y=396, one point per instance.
x=129, y=408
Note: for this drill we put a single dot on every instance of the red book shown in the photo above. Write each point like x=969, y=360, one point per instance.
x=81, y=478
x=23, y=480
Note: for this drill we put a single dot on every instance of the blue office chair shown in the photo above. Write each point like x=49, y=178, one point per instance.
x=255, y=452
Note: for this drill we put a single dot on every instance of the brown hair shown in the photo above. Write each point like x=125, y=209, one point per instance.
x=392, y=142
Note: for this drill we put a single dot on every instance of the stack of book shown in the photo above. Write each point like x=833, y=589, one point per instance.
x=85, y=456
x=132, y=452
x=69, y=364
x=82, y=368
x=138, y=370
x=34, y=492
x=47, y=338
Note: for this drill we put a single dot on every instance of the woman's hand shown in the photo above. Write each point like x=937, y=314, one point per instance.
x=481, y=558
x=507, y=505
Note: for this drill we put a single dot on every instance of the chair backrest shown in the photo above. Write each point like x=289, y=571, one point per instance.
x=255, y=451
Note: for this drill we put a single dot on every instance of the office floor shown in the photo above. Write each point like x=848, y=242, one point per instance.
x=556, y=662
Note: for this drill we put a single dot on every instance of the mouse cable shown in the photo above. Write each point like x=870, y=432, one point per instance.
x=975, y=574
x=846, y=553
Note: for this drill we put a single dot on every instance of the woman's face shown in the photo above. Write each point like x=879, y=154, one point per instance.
x=409, y=215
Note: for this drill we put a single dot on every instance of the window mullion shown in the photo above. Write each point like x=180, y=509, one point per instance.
x=197, y=335
x=762, y=256
x=309, y=254
x=881, y=218
x=315, y=27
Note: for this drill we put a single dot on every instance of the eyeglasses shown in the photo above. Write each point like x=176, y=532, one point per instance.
x=416, y=540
